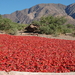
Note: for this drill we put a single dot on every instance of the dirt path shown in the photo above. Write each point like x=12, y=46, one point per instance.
x=33, y=73
x=66, y=37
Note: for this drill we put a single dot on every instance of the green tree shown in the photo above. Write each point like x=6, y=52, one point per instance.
x=10, y=27
x=53, y=25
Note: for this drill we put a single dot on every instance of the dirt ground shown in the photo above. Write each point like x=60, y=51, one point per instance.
x=62, y=36
x=33, y=73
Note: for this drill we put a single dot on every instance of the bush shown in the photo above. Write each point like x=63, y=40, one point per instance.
x=53, y=25
x=45, y=30
x=65, y=29
x=70, y=26
x=12, y=31
x=10, y=27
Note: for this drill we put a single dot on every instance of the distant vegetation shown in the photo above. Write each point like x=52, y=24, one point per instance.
x=47, y=25
x=54, y=25
x=10, y=27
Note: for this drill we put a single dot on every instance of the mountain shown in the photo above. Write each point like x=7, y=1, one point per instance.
x=37, y=11
x=70, y=10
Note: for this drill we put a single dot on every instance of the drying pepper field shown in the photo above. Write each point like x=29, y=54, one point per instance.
x=36, y=54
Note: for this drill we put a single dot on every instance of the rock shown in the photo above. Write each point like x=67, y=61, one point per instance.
x=2, y=32
x=3, y=73
x=68, y=34
x=32, y=28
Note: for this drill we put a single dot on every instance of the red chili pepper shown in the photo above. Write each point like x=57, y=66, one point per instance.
x=36, y=54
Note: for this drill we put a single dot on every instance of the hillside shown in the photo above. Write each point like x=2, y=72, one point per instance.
x=70, y=10
x=26, y=16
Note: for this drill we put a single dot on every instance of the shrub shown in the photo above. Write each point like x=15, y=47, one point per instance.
x=12, y=31
x=66, y=29
x=9, y=26
x=45, y=30
x=54, y=25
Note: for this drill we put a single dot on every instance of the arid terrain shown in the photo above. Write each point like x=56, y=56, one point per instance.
x=62, y=36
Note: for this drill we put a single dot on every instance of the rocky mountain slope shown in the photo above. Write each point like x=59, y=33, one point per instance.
x=37, y=11
x=70, y=10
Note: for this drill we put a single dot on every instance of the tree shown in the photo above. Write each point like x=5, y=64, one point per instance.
x=52, y=25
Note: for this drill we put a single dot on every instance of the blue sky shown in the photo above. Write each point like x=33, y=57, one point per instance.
x=10, y=6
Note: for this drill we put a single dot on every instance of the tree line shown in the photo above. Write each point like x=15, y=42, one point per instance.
x=54, y=25
x=10, y=27
x=47, y=25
